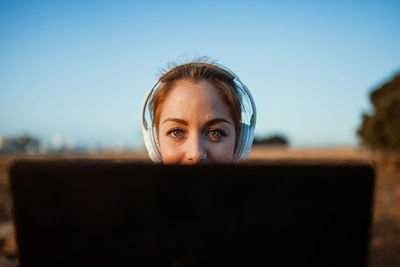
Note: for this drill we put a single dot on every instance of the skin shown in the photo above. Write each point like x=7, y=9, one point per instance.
x=195, y=125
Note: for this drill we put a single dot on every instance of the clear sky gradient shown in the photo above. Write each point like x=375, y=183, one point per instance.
x=80, y=70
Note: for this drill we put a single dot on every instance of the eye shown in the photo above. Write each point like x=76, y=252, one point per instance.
x=176, y=133
x=215, y=134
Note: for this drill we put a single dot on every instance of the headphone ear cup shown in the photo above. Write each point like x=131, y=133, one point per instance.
x=152, y=145
x=242, y=141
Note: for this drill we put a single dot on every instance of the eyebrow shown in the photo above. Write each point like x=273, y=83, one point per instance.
x=208, y=123
x=215, y=121
x=176, y=120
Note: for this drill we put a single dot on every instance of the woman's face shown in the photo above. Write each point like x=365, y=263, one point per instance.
x=195, y=125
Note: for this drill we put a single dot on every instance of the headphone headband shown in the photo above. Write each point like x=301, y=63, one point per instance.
x=246, y=135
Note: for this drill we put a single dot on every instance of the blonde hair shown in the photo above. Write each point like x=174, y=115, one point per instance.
x=196, y=71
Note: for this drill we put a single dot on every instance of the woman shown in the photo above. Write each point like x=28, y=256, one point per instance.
x=197, y=111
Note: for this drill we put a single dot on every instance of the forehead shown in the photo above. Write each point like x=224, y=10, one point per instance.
x=194, y=100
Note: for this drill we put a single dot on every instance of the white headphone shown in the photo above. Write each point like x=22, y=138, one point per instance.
x=246, y=134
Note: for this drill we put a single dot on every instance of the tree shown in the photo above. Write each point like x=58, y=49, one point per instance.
x=381, y=129
x=274, y=140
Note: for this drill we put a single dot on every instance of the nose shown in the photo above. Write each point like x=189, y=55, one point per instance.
x=195, y=150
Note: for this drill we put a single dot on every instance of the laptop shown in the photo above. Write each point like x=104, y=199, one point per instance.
x=126, y=213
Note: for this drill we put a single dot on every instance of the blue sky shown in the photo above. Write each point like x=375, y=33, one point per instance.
x=80, y=70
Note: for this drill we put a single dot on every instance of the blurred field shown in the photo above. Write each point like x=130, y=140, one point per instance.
x=385, y=245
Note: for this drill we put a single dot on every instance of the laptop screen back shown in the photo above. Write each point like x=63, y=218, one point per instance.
x=90, y=213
